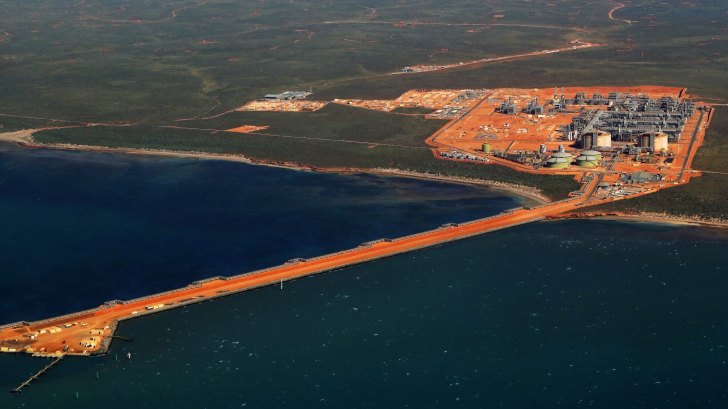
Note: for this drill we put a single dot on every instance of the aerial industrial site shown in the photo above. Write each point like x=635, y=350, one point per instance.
x=618, y=142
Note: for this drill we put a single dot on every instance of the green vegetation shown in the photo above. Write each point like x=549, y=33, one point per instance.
x=148, y=61
x=10, y=123
x=336, y=136
x=335, y=122
x=151, y=63
x=704, y=196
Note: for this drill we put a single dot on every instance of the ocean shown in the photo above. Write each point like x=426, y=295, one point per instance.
x=597, y=314
x=80, y=229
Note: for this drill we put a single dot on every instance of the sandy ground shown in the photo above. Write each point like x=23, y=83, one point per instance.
x=669, y=219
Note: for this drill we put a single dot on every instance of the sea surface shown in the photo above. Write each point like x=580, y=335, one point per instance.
x=79, y=229
x=593, y=314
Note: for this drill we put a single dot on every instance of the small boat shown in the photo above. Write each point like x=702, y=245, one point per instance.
x=128, y=355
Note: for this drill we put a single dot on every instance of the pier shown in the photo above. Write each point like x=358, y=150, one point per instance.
x=37, y=375
x=92, y=331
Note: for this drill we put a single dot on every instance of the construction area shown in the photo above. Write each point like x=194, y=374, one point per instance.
x=288, y=101
x=444, y=102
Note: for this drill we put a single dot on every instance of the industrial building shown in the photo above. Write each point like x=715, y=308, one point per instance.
x=508, y=107
x=534, y=107
x=287, y=96
x=624, y=117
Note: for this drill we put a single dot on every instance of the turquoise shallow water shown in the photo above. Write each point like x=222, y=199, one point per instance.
x=555, y=314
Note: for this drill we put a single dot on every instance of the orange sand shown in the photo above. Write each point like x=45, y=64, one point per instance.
x=247, y=129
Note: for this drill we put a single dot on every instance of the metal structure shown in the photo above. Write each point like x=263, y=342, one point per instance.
x=534, y=107
x=287, y=96
x=508, y=107
x=624, y=116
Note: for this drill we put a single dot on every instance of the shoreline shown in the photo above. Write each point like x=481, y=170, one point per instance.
x=25, y=139
x=647, y=217
x=520, y=190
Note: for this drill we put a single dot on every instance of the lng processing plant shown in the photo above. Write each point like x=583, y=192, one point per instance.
x=615, y=130
x=618, y=142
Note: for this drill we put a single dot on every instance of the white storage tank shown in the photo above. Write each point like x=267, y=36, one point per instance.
x=604, y=140
x=660, y=142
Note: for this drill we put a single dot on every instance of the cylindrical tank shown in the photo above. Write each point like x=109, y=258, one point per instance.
x=587, y=141
x=604, y=140
x=590, y=152
x=486, y=147
x=644, y=140
x=559, y=160
x=558, y=163
x=584, y=161
x=660, y=142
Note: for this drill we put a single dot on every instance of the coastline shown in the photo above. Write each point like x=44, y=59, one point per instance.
x=647, y=217
x=25, y=138
x=521, y=190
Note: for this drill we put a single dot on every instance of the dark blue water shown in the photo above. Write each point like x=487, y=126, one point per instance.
x=79, y=229
x=569, y=314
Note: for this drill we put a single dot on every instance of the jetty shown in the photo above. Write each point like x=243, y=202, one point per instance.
x=92, y=331
x=37, y=375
